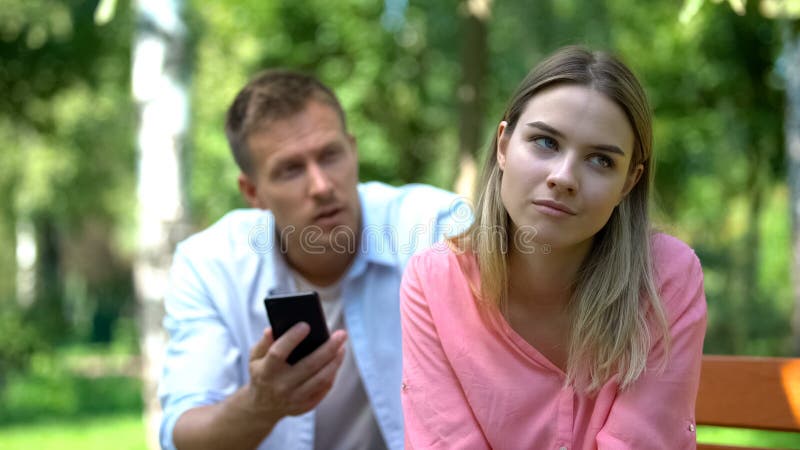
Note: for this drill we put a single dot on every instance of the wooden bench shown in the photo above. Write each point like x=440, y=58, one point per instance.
x=749, y=392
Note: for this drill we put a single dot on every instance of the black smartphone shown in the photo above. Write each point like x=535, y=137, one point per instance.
x=285, y=310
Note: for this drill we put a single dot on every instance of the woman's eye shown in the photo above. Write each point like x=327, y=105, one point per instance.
x=602, y=161
x=546, y=142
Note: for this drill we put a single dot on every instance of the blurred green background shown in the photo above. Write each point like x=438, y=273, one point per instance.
x=423, y=84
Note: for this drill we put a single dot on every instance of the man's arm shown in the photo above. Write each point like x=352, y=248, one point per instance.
x=276, y=390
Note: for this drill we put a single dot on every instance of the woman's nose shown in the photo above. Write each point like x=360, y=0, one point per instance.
x=563, y=176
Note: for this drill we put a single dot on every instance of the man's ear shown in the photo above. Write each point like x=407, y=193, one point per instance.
x=353, y=143
x=502, y=144
x=248, y=189
x=632, y=179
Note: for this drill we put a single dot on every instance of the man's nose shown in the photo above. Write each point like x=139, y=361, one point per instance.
x=319, y=183
x=563, y=174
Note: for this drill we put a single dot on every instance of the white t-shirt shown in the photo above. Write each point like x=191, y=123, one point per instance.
x=344, y=419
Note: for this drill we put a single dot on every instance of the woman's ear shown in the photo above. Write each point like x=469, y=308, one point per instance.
x=502, y=144
x=633, y=178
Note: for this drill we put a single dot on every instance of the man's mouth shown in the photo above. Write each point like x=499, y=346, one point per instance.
x=328, y=213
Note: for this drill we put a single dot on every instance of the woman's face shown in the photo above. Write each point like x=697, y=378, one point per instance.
x=566, y=165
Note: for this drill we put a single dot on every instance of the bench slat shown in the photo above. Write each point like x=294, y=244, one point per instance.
x=749, y=392
x=722, y=447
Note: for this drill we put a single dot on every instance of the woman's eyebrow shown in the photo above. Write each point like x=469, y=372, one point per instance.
x=548, y=129
x=609, y=148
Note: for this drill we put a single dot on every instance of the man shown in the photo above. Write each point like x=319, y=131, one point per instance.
x=226, y=383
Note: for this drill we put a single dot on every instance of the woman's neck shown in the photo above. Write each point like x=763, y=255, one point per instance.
x=543, y=275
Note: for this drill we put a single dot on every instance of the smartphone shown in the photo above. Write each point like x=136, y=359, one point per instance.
x=285, y=310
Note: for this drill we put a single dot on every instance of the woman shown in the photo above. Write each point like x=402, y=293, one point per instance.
x=559, y=319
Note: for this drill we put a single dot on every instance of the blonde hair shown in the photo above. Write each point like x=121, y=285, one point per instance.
x=614, y=296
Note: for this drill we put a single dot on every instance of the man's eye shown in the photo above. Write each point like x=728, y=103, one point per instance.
x=289, y=171
x=330, y=155
x=546, y=142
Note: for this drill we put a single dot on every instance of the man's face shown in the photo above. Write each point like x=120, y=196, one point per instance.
x=305, y=170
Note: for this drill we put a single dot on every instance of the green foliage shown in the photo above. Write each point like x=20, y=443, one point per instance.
x=68, y=120
x=55, y=389
x=717, y=182
x=17, y=343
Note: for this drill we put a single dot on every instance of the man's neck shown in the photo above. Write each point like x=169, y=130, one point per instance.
x=323, y=269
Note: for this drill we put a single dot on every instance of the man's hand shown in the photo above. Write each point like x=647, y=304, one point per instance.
x=278, y=389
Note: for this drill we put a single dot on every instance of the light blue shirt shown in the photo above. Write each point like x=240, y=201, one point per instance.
x=215, y=311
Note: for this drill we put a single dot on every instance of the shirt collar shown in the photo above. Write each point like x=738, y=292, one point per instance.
x=378, y=236
x=378, y=244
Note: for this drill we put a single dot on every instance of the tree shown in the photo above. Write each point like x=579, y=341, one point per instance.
x=159, y=68
x=472, y=90
x=65, y=120
x=788, y=12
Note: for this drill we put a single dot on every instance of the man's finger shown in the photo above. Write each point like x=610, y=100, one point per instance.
x=260, y=349
x=319, y=358
x=283, y=346
x=318, y=385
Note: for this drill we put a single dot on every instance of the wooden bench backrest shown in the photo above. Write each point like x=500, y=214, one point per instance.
x=749, y=392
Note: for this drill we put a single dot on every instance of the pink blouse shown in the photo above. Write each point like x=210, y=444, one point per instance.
x=474, y=383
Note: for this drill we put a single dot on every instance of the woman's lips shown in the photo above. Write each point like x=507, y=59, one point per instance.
x=553, y=208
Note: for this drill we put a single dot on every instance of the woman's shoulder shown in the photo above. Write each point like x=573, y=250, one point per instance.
x=441, y=256
x=679, y=275
x=444, y=263
x=670, y=253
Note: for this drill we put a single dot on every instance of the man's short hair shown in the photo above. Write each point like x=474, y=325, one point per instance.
x=272, y=95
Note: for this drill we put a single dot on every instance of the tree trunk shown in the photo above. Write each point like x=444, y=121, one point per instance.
x=48, y=293
x=25, y=263
x=471, y=91
x=159, y=89
x=751, y=299
x=791, y=64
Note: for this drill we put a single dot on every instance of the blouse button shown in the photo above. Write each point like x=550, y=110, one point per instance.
x=692, y=427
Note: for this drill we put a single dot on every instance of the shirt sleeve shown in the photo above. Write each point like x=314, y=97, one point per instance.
x=454, y=219
x=201, y=360
x=657, y=411
x=436, y=412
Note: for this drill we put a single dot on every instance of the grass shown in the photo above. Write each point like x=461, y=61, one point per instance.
x=124, y=431
x=733, y=436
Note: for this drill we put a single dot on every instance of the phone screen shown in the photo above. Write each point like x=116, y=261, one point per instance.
x=285, y=310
